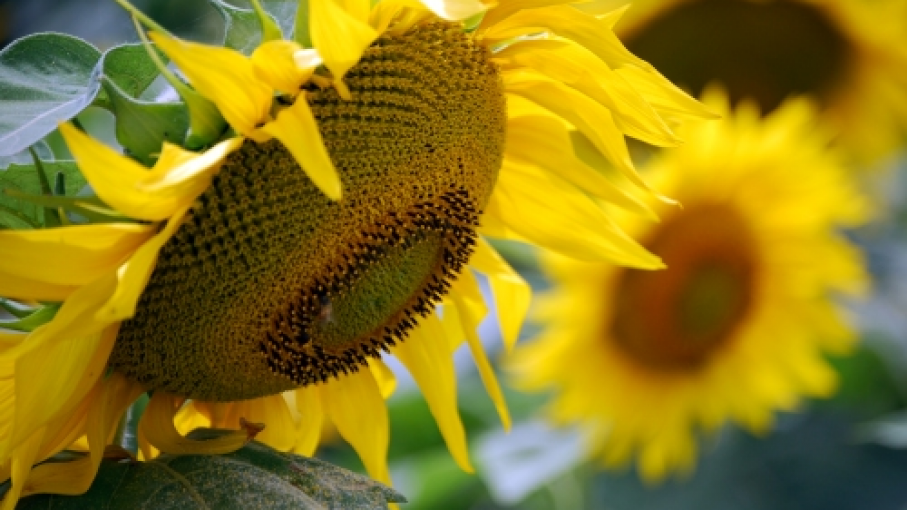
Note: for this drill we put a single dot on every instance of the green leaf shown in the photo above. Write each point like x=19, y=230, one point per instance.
x=19, y=214
x=45, y=79
x=254, y=477
x=142, y=126
x=243, y=31
x=130, y=68
x=23, y=157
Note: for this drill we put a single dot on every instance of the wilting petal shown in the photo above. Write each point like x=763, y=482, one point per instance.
x=511, y=292
x=296, y=128
x=225, y=77
x=430, y=361
x=356, y=407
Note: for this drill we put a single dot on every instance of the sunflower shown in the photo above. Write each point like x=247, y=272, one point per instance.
x=738, y=324
x=850, y=55
x=259, y=280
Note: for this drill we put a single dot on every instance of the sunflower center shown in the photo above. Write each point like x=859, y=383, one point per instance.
x=765, y=51
x=271, y=286
x=676, y=318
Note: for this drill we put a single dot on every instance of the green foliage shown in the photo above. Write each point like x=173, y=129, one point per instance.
x=242, y=29
x=254, y=477
x=129, y=68
x=19, y=214
x=45, y=79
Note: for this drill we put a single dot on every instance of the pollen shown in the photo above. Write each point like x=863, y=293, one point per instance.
x=270, y=285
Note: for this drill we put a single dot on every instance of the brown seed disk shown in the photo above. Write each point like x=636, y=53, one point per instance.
x=271, y=286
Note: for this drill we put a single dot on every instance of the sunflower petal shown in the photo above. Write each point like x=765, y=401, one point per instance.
x=311, y=420
x=355, y=406
x=339, y=36
x=159, y=429
x=455, y=10
x=72, y=348
x=546, y=143
x=469, y=323
x=275, y=63
x=66, y=256
x=23, y=457
x=133, y=276
x=556, y=216
x=225, y=77
x=428, y=358
x=385, y=378
x=177, y=179
x=511, y=292
x=296, y=128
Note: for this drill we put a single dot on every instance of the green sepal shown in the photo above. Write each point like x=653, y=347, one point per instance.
x=30, y=322
x=14, y=308
x=45, y=79
x=17, y=212
x=256, y=476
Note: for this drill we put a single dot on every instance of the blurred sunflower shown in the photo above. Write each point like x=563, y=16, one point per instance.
x=738, y=324
x=850, y=55
x=259, y=280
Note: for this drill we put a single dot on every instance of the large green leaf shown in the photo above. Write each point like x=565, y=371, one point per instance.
x=24, y=157
x=45, y=79
x=18, y=214
x=254, y=477
x=142, y=126
x=242, y=30
x=130, y=68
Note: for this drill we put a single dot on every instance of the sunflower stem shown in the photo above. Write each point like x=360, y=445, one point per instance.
x=51, y=214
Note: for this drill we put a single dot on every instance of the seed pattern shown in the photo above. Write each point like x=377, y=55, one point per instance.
x=270, y=285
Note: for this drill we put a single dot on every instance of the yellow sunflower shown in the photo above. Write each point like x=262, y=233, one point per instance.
x=738, y=324
x=850, y=55
x=258, y=281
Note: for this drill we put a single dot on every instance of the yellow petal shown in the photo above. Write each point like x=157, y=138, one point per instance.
x=271, y=410
x=385, y=378
x=296, y=128
x=68, y=256
x=275, y=63
x=311, y=420
x=72, y=478
x=72, y=350
x=430, y=361
x=552, y=214
x=177, y=179
x=133, y=276
x=455, y=10
x=339, y=36
x=225, y=77
x=506, y=9
x=511, y=292
x=469, y=322
x=356, y=407
x=23, y=457
x=545, y=142
x=159, y=429
x=592, y=119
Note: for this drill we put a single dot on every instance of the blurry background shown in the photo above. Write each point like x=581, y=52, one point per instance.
x=848, y=452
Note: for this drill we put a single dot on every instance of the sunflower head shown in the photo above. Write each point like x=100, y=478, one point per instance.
x=738, y=324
